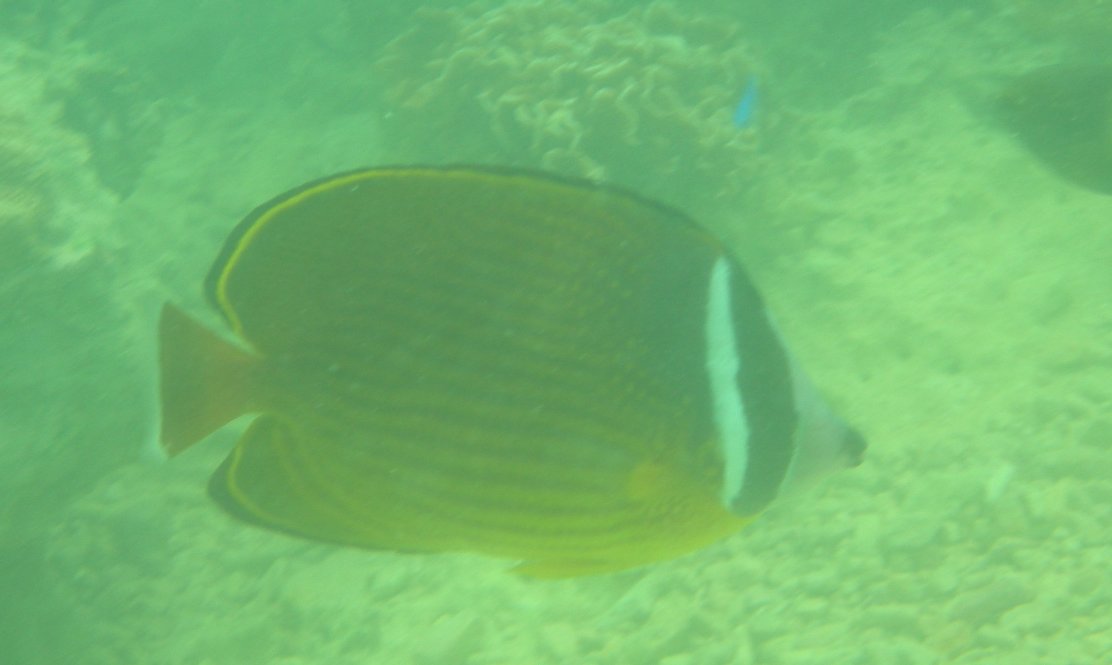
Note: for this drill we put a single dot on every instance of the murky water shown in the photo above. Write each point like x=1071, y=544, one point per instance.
x=946, y=291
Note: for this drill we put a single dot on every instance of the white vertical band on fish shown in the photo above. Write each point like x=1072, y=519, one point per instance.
x=723, y=364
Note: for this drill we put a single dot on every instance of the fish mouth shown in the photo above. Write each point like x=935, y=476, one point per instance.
x=853, y=447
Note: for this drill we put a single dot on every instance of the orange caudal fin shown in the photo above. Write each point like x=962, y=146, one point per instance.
x=205, y=381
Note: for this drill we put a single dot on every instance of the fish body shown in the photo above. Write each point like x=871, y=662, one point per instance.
x=462, y=359
x=1063, y=115
x=746, y=107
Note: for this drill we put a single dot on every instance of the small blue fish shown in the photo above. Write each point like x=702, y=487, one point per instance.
x=743, y=114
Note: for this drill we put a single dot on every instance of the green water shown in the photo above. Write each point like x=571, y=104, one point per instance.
x=949, y=294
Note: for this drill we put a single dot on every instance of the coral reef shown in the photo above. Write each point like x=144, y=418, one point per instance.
x=58, y=262
x=642, y=97
x=25, y=204
x=51, y=206
x=123, y=128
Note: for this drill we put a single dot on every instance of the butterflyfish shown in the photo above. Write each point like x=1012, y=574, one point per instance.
x=503, y=362
x=1063, y=115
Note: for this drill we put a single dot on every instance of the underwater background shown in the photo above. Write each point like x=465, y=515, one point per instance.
x=950, y=295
